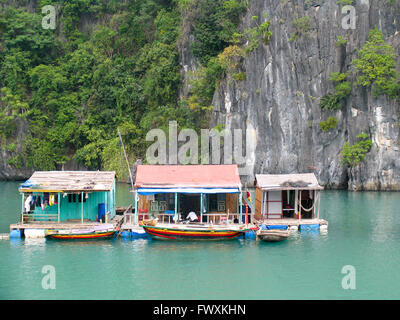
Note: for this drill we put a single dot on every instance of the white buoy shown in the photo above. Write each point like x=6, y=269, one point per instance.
x=35, y=233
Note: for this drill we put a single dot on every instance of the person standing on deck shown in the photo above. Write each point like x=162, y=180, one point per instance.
x=192, y=217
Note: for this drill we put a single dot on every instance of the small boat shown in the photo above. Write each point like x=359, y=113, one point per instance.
x=97, y=232
x=193, y=231
x=272, y=235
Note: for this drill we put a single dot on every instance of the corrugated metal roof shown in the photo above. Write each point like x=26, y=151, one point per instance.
x=303, y=181
x=69, y=181
x=190, y=176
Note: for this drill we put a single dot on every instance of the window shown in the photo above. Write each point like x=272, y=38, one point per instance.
x=216, y=202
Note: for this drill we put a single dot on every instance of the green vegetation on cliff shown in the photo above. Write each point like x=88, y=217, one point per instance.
x=107, y=64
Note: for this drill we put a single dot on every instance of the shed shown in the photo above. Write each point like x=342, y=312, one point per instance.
x=68, y=196
x=281, y=196
x=209, y=190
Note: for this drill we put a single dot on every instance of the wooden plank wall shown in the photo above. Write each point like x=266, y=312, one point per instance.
x=231, y=202
x=143, y=204
x=257, y=213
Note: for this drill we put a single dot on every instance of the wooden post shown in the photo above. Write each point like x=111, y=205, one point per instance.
x=126, y=158
x=136, y=207
x=296, y=202
x=319, y=201
x=314, y=203
x=300, y=204
x=176, y=208
x=81, y=207
x=201, y=207
x=240, y=203
x=23, y=208
x=58, y=206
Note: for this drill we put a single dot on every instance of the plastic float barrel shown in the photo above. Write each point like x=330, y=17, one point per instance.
x=250, y=234
x=15, y=233
x=323, y=227
x=101, y=213
x=277, y=227
x=125, y=234
x=305, y=227
x=35, y=233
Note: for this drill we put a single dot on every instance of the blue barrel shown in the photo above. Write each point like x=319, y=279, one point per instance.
x=101, y=212
x=15, y=234
x=304, y=227
x=250, y=234
x=125, y=234
x=278, y=227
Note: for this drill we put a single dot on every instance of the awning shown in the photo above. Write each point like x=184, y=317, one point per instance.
x=150, y=191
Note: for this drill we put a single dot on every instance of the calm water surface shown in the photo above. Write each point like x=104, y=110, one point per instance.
x=364, y=231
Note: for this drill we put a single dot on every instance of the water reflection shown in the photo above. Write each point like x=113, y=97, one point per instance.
x=35, y=241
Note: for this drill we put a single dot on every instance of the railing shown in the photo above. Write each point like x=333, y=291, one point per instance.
x=30, y=217
x=219, y=218
x=129, y=218
x=215, y=218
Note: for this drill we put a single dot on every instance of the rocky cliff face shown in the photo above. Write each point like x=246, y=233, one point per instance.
x=285, y=81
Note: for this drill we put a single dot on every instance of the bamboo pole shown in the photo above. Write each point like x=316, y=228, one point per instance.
x=126, y=158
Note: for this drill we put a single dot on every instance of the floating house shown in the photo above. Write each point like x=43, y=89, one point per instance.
x=288, y=200
x=62, y=199
x=170, y=192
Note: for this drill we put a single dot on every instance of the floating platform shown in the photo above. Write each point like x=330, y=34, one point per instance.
x=299, y=224
x=4, y=236
x=37, y=229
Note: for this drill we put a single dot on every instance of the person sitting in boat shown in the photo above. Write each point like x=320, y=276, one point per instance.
x=192, y=217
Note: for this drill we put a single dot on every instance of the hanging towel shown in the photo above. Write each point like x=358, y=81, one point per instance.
x=51, y=200
x=38, y=201
x=28, y=203
x=46, y=197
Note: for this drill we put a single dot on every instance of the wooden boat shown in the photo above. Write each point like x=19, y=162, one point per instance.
x=193, y=231
x=97, y=232
x=272, y=235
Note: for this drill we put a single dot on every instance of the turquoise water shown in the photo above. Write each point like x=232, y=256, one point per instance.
x=364, y=231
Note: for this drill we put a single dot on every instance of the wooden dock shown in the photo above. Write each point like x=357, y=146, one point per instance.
x=294, y=222
x=116, y=221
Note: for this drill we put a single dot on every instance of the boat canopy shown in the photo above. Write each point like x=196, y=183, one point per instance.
x=150, y=191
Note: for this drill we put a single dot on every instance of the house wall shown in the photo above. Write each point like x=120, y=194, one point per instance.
x=231, y=203
x=72, y=210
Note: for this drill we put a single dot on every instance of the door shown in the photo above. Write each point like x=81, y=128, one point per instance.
x=274, y=205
